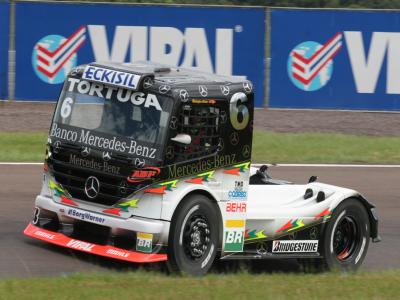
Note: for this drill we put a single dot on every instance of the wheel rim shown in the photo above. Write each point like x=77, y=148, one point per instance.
x=345, y=238
x=196, y=237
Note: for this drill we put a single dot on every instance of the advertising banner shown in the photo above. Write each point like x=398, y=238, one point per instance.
x=54, y=37
x=4, y=25
x=335, y=59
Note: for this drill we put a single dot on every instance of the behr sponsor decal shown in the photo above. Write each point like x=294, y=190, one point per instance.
x=295, y=246
x=92, y=164
x=201, y=166
x=79, y=245
x=236, y=207
x=88, y=138
x=45, y=235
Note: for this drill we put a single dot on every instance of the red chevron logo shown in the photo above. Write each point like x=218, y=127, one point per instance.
x=49, y=62
x=305, y=69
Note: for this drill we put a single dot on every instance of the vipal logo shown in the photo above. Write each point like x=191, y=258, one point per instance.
x=54, y=56
x=310, y=64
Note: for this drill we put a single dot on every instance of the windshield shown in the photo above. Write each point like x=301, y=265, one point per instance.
x=114, y=119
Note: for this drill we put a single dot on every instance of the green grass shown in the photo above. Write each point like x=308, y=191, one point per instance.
x=268, y=147
x=149, y=285
x=324, y=148
x=19, y=146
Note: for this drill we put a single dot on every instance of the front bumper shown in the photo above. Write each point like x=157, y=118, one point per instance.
x=134, y=239
x=102, y=250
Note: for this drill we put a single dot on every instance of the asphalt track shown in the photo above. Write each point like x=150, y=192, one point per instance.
x=24, y=257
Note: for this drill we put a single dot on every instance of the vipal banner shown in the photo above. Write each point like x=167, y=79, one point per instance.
x=227, y=41
x=335, y=59
x=4, y=23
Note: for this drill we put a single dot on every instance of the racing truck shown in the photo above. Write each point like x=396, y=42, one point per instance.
x=151, y=163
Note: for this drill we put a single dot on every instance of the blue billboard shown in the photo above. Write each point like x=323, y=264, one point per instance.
x=335, y=59
x=4, y=23
x=54, y=37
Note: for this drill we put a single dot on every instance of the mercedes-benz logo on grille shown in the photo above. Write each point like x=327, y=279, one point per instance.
x=92, y=187
x=203, y=90
x=147, y=82
x=85, y=151
x=164, y=89
x=248, y=87
x=224, y=90
x=184, y=95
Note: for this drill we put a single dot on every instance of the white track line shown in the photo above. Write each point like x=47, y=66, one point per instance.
x=329, y=165
x=254, y=165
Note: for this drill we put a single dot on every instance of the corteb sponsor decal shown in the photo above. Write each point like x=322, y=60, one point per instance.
x=238, y=193
x=295, y=246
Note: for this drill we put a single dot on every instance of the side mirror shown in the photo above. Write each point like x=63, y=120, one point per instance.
x=182, y=138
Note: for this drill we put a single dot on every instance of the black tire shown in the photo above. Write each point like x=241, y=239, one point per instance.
x=346, y=237
x=196, y=224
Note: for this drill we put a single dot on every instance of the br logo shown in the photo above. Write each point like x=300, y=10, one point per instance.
x=310, y=64
x=54, y=56
x=234, y=241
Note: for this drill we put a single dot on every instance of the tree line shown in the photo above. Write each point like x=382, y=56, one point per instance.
x=374, y=4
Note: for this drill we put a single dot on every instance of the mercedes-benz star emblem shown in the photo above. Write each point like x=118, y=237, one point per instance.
x=261, y=248
x=234, y=138
x=184, y=95
x=224, y=90
x=313, y=233
x=139, y=163
x=57, y=147
x=224, y=117
x=164, y=89
x=248, y=87
x=85, y=151
x=203, y=90
x=92, y=187
x=147, y=82
x=106, y=156
x=170, y=153
x=173, y=123
x=246, y=151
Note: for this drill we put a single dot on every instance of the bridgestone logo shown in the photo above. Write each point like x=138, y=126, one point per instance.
x=294, y=246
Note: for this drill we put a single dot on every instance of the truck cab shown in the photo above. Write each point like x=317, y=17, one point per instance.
x=129, y=144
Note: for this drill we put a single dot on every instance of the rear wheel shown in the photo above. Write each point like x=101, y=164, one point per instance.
x=193, y=238
x=346, y=237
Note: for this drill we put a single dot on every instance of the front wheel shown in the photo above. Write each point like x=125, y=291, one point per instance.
x=194, y=234
x=347, y=236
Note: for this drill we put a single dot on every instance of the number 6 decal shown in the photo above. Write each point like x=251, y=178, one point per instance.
x=66, y=107
x=236, y=106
